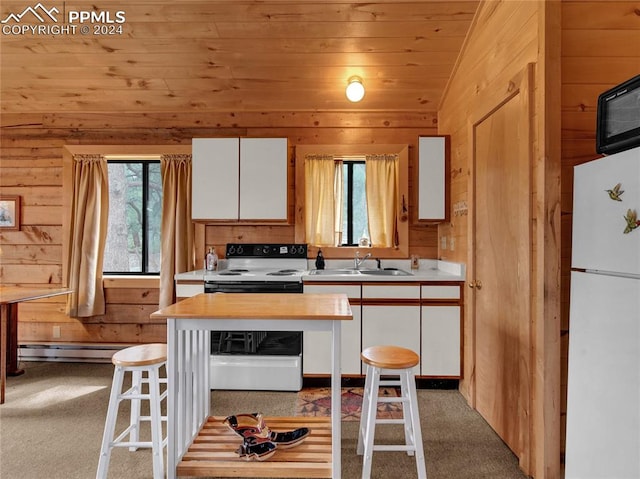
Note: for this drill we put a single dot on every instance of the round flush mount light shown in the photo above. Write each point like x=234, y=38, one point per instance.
x=355, y=89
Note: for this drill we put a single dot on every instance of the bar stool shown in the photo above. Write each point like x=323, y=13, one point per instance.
x=394, y=361
x=146, y=358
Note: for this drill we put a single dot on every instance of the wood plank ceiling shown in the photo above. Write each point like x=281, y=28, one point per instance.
x=232, y=55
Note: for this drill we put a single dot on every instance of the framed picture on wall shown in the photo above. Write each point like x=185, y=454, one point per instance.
x=9, y=212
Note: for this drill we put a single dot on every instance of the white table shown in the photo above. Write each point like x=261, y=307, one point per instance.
x=189, y=323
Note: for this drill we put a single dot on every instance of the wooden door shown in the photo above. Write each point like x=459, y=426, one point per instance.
x=502, y=243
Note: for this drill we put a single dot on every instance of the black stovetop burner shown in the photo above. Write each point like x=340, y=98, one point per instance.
x=284, y=272
x=233, y=272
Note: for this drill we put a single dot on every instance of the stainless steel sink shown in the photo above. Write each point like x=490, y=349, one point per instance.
x=386, y=272
x=334, y=271
x=373, y=272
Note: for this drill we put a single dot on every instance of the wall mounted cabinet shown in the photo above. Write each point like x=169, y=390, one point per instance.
x=240, y=179
x=433, y=179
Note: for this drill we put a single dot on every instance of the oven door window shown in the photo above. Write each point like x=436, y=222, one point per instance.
x=272, y=343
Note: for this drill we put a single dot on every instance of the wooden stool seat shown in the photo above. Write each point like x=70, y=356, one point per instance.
x=399, y=362
x=143, y=355
x=389, y=357
x=143, y=362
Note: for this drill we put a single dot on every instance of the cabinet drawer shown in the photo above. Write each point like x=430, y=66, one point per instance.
x=440, y=292
x=351, y=290
x=387, y=291
x=187, y=290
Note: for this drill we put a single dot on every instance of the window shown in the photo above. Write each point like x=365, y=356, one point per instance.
x=135, y=213
x=317, y=223
x=355, y=224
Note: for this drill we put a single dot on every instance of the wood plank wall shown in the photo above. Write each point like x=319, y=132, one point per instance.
x=505, y=38
x=600, y=49
x=485, y=60
x=31, y=149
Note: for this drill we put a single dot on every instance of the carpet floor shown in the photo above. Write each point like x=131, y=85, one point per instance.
x=52, y=422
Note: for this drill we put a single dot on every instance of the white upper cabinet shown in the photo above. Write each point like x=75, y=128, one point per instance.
x=239, y=179
x=215, y=184
x=432, y=178
x=263, y=178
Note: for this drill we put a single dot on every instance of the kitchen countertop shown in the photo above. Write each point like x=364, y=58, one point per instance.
x=245, y=306
x=429, y=270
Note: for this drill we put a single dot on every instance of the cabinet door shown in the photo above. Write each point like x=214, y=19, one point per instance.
x=392, y=325
x=432, y=178
x=440, y=341
x=263, y=178
x=215, y=178
x=188, y=289
x=316, y=357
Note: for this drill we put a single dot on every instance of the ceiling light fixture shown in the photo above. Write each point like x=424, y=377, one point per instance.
x=355, y=89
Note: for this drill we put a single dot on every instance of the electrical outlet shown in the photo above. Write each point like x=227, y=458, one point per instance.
x=452, y=243
x=443, y=242
x=56, y=332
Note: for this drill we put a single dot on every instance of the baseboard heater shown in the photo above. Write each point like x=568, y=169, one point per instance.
x=69, y=352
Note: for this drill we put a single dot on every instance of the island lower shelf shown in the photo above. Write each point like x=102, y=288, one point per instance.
x=213, y=452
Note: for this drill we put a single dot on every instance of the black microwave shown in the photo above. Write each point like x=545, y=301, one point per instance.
x=618, y=123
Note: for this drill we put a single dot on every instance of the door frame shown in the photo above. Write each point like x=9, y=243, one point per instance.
x=488, y=101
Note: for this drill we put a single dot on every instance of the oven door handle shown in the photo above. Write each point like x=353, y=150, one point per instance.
x=252, y=287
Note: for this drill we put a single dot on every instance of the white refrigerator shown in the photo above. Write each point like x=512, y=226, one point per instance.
x=603, y=395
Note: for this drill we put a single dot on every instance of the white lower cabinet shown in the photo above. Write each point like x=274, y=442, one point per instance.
x=424, y=318
x=188, y=289
x=316, y=356
x=397, y=325
x=441, y=333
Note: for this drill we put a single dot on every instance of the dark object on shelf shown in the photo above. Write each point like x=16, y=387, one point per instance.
x=319, y=260
x=260, y=451
x=259, y=442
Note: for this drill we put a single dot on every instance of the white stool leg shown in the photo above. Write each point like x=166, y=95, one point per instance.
x=407, y=411
x=156, y=423
x=364, y=413
x=110, y=423
x=415, y=420
x=134, y=422
x=371, y=421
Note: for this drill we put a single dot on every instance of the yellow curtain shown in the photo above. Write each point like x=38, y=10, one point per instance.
x=177, y=230
x=382, y=199
x=89, y=217
x=338, y=193
x=323, y=195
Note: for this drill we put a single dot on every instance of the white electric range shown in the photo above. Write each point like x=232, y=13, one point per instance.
x=258, y=360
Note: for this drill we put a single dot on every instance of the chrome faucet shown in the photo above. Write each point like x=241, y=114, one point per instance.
x=357, y=261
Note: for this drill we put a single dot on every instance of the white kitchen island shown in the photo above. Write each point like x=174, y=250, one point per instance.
x=189, y=323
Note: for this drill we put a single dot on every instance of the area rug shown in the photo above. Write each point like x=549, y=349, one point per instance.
x=317, y=402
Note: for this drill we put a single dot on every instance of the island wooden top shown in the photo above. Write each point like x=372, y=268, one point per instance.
x=16, y=294
x=259, y=306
